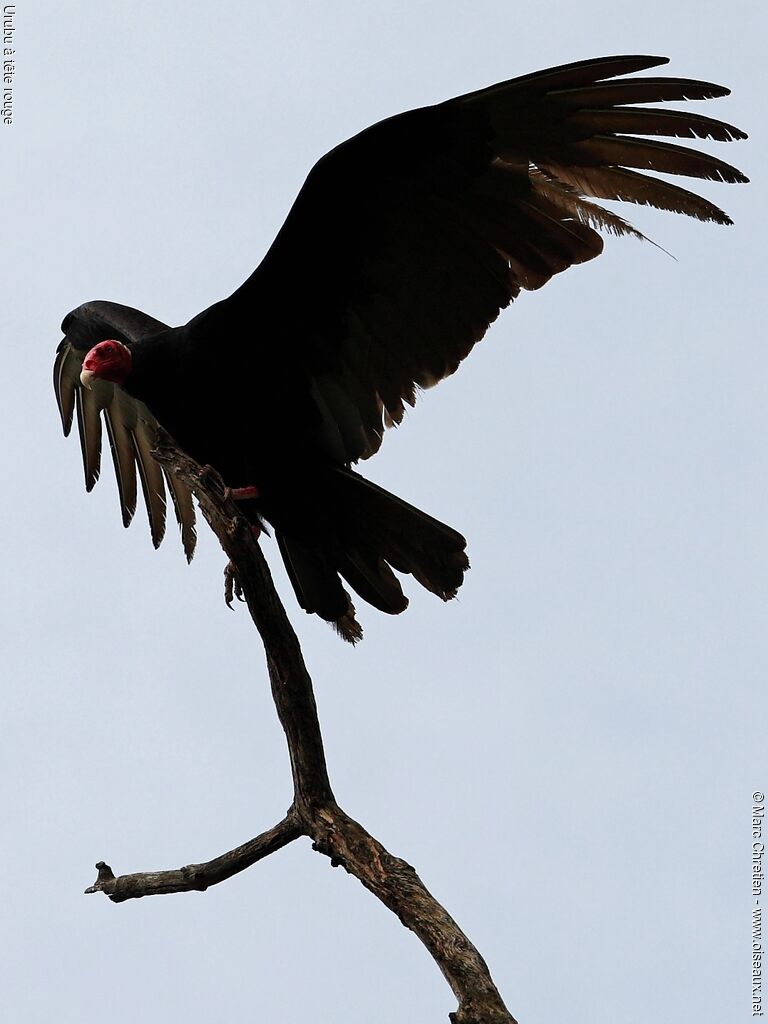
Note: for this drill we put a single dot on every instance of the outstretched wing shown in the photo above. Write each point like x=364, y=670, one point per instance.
x=406, y=241
x=129, y=424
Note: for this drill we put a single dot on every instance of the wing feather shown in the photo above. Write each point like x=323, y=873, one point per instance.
x=428, y=224
x=66, y=381
x=130, y=430
x=642, y=189
x=121, y=445
x=639, y=90
x=89, y=405
x=152, y=480
x=184, y=509
x=649, y=121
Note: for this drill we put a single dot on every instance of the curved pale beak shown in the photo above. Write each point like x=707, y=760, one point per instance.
x=87, y=378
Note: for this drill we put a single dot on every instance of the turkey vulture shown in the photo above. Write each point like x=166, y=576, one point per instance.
x=401, y=248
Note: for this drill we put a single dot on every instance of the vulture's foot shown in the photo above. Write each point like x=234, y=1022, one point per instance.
x=242, y=493
x=232, y=586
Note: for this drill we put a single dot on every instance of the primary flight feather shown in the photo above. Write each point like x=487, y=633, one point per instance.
x=400, y=250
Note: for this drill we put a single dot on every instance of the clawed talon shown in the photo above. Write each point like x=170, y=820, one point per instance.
x=232, y=586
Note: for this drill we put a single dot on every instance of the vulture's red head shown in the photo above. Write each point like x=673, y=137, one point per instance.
x=109, y=360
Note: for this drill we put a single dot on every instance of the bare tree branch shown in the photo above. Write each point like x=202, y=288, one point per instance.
x=197, y=877
x=314, y=812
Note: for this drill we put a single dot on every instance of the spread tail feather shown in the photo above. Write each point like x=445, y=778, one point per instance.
x=317, y=586
x=377, y=532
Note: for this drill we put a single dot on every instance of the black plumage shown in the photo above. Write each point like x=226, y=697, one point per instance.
x=400, y=250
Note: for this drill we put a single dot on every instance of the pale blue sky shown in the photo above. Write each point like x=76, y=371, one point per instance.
x=567, y=753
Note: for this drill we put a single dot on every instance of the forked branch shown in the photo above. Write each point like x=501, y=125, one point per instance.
x=314, y=811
